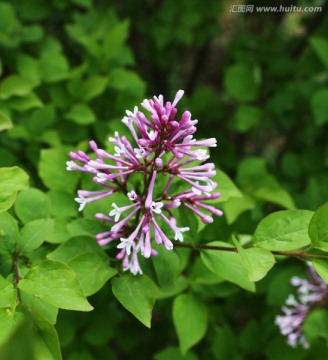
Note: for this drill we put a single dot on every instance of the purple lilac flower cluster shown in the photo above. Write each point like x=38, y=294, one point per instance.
x=311, y=293
x=165, y=149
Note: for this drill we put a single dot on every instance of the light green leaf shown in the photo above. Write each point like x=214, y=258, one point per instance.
x=92, y=271
x=39, y=308
x=320, y=46
x=227, y=265
x=284, y=230
x=60, y=232
x=190, y=320
x=16, y=335
x=46, y=342
x=319, y=106
x=6, y=201
x=9, y=234
x=34, y=233
x=9, y=319
x=318, y=228
x=32, y=204
x=316, y=325
x=15, y=85
x=8, y=294
x=88, y=227
x=12, y=179
x=257, y=261
x=321, y=267
x=81, y=114
x=52, y=170
x=75, y=246
x=5, y=122
x=56, y=284
x=137, y=294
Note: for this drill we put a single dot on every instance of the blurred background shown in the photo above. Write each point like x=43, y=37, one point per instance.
x=256, y=80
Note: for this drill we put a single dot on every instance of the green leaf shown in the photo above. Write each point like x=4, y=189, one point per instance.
x=8, y=294
x=190, y=320
x=318, y=228
x=126, y=80
x=12, y=179
x=236, y=206
x=321, y=267
x=284, y=230
x=226, y=187
x=167, y=266
x=115, y=40
x=5, y=122
x=59, y=233
x=6, y=201
x=30, y=101
x=320, y=46
x=52, y=170
x=32, y=204
x=81, y=114
x=319, y=106
x=137, y=294
x=15, y=85
x=92, y=271
x=9, y=320
x=256, y=181
x=74, y=246
x=9, y=234
x=62, y=204
x=92, y=87
x=34, y=233
x=257, y=261
x=54, y=67
x=39, y=308
x=46, y=342
x=17, y=329
x=8, y=19
x=88, y=227
x=240, y=83
x=56, y=284
x=173, y=353
x=316, y=325
x=246, y=117
x=227, y=265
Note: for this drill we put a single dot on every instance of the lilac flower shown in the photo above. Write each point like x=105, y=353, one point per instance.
x=163, y=148
x=310, y=293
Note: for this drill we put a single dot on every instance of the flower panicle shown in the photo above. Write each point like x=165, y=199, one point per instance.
x=310, y=293
x=161, y=147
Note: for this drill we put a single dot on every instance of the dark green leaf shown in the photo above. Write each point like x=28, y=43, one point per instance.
x=190, y=320
x=137, y=294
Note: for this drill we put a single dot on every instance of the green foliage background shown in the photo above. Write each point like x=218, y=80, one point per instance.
x=257, y=82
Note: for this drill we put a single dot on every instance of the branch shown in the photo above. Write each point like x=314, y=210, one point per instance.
x=302, y=254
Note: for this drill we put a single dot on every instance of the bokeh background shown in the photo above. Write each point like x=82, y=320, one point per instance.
x=257, y=81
